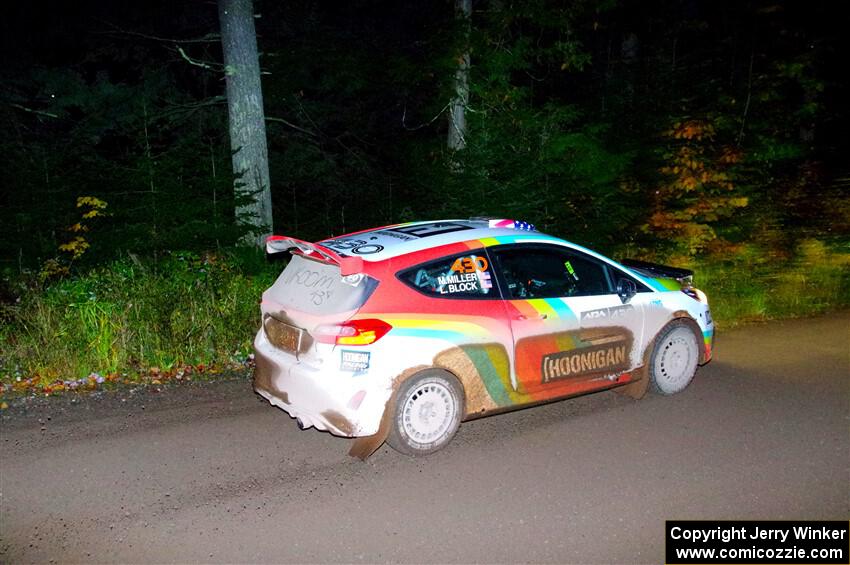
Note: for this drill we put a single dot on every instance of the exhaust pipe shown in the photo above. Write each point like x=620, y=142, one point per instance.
x=301, y=425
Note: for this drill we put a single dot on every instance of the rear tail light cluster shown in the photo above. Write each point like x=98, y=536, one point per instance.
x=353, y=332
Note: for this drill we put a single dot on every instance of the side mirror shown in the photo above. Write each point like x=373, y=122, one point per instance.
x=626, y=289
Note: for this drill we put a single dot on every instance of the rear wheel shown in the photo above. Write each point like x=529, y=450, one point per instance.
x=427, y=412
x=674, y=359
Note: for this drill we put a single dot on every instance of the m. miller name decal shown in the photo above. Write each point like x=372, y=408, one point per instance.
x=603, y=358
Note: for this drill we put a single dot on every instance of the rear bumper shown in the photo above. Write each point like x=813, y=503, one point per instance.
x=328, y=400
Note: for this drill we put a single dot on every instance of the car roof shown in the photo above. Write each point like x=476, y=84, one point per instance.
x=387, y=242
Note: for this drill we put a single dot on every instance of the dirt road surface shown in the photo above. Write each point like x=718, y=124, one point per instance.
x=215, y=474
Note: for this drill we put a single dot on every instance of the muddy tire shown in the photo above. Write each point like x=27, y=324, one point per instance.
x=427, y=413
x=674, y=359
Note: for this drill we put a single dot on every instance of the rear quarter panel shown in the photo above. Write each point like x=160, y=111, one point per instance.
x=470, y=338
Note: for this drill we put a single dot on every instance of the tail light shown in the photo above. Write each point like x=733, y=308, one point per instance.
x=353, y=332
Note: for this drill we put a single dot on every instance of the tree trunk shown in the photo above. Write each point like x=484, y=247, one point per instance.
x=247, y=120
x=457, y=112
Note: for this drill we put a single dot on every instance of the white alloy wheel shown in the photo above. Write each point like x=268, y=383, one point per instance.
x=674, y=359
x=428, y=411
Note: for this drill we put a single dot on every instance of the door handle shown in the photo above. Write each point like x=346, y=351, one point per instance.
x=539, y=317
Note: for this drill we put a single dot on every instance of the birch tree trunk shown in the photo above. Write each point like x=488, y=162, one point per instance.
x=250, y=157
x=457, y=110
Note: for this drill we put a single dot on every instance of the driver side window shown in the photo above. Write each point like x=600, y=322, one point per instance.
x=541, y=272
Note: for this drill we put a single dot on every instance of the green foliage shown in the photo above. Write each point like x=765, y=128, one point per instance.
x=532, y=151
x=699, y=190
x=756, y=285
x=156, y=155
x=130, y=315
x=578, y=120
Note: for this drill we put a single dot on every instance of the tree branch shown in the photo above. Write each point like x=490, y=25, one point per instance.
x=290, y=124
x=420, y=126
x=33, y=111
x=749, y=95
x=196, y=62
x=208, y=38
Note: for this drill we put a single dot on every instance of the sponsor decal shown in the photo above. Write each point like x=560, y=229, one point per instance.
x=470, y=264
x=368, y=249
x=356, y=246
x=354, y=360
x=401, y=236
x=708, y=320
x=451, y=284
x=604, y=358
x=353, y=280
x=344, y=244
x=612, y=313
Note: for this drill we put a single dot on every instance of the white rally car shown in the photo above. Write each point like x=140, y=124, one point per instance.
x=399, y=333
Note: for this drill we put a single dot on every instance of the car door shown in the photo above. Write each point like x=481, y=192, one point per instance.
x=572, y=332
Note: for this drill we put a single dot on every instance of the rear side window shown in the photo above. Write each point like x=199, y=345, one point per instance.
x=458, y=276
x=551, y=273
x=318, y=288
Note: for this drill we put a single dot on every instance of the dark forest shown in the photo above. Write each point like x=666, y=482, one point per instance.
x=703, y=134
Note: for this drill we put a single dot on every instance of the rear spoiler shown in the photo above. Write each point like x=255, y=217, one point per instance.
x=347, y=265
x=684, y=276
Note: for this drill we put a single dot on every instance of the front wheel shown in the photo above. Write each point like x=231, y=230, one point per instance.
x=674, y=359
x=427, y=412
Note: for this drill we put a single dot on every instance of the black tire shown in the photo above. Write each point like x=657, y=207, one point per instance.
x=674, y=359
x=427, y=412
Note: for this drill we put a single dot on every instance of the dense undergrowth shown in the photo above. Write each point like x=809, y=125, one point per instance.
x=758, y=285
x=130, y=320
x=190, y=315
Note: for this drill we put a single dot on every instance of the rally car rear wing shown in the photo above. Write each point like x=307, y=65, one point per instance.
x=347, y=265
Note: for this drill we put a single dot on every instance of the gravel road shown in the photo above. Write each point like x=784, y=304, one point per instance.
x=213, y=473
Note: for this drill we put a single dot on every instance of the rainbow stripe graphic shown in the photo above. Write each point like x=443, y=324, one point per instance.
x=503, y=239
x=708, y=340
x=481, y=339
x=663, y=284
x=454, y=329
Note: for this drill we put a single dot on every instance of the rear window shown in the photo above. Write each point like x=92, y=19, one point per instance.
x=459, y=276
x=318, y=288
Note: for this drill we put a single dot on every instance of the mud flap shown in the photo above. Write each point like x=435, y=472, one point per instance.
x=636, y=389
x=365, y=446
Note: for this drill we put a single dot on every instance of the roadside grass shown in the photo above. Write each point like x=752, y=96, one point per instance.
x=192, y=316
x=756, y=285
x=131, y=321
